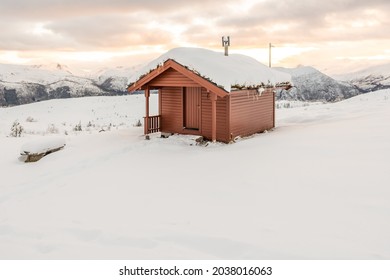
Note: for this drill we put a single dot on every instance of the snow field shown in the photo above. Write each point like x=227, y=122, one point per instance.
x=316, y=187
x=60, y=116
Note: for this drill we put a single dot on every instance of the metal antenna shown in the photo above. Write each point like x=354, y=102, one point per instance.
x=226, y=44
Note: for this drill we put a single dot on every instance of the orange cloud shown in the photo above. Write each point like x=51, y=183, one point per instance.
x=125, y=29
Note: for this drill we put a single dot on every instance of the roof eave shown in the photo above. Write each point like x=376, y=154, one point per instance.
x=170, y=63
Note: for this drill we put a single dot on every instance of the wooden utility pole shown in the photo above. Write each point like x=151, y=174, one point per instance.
x=270, y=47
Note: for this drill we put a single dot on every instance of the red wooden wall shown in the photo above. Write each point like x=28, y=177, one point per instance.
x=251, y=113
x=222, y=117
x=240, y=113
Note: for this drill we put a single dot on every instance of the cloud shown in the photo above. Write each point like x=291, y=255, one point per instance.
x=93, y=24
x=101, y=23
x=309, y=21
x=109, y=31
x=51, y=9
x=128, y=25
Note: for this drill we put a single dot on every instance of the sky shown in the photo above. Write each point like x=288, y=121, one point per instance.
x=332, y=35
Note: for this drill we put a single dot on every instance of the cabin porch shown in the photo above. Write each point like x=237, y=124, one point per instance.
x=180, y=111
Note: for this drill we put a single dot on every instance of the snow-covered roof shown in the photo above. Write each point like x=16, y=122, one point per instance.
x=224, y=71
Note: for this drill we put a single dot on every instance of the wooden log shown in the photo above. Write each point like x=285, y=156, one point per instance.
x=38, y=148
x=33, y=157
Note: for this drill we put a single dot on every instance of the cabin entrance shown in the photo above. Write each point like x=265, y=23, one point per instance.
x=191, y=107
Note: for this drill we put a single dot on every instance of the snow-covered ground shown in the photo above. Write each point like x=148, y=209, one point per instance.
x=316, y=187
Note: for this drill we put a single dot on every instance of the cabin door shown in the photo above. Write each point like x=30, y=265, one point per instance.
x=191, y=111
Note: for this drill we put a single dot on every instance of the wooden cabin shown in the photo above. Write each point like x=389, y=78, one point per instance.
x=192, y=103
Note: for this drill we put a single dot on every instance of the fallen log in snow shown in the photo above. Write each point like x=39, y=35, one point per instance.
x=38, y=148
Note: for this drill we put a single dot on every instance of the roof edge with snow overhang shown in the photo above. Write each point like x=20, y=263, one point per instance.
x=172, y=64
x=206, y=67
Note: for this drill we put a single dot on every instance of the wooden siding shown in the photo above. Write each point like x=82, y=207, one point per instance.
x=171, y=109
x=222, y=117
x=173, y=78
x=251, y=113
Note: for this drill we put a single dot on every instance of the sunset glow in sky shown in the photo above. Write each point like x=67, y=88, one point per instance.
x=331, y=35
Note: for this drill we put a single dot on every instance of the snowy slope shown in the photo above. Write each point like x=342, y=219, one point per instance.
x=313, y=85
x=63, y=115
x=225, y=71
x=316, y=187
x=32, y=74
x=369, y=79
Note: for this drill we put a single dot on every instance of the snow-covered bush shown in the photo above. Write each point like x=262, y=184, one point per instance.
x=16, y=129
x=30, y=119
x=283, y=105
x=52, y=129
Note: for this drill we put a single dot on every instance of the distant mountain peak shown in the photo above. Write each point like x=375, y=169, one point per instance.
x=21, y=84
x=369, y=79
x=311, y=84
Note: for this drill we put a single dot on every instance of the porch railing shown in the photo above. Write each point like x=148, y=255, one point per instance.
x=152, y=124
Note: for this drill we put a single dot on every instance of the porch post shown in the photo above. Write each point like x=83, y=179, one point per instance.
x=146, y=124
x=213, y=116
x=274, y=95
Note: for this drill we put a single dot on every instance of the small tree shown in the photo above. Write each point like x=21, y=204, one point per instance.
x=138, y=123
x=78, y=127
x=16, y=129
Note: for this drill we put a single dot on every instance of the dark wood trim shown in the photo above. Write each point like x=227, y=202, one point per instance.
x=159, y=101
x=274, y=105
x=228, y=119
x=184, y=105
x=146, y=122
x=213, y=98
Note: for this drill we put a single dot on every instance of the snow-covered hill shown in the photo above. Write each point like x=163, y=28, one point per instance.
x=316, y=187
x=115, y=79
x=25, y=84
x=369, y=79
x=313, y=85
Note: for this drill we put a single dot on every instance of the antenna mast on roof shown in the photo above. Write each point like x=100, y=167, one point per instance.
x=226, y=44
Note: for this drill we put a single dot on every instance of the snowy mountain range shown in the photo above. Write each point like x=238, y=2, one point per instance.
x=21, y=84
x=313, y=85
x=370, y=79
